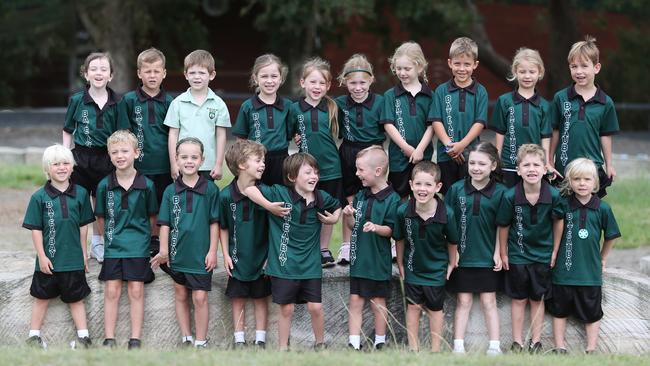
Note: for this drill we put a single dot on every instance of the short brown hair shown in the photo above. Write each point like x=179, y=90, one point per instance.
x=92, y=57
x=585, y=49
x=199, y=58
x=149, y=56
x=377, y=157
x=463, y=46
x=240, y=151
x=530, y=149
x=428, y=167
x=292, y=164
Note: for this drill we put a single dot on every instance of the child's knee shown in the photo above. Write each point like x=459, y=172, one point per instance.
x=200, y=298
x=136, y=291
x=286, y=310
x=464, y=302
x=315, y=308
x=112, y=292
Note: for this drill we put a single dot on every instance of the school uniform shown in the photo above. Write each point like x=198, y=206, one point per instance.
x=426, y=255
x=59, y=215
x=577, y=275
x=457, y=109
x=127, y=228
x=294, y=262
x=475, y=212
x=248, y=245
x=520, y=121
x=266, y=124
x=359, y=128
x=408, y=114
x=530, y=240
x=581, y=124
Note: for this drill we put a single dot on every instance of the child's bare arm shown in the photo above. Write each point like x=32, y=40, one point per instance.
x=498, y=142
x=439, y=130
x=328, y=218
x=172, y=139
x=163, y=252
x=43, y=261
x=67, y=139
x=348, y=216
x=418, y=154
x=394, y=135
x=558, y=230
x=606, y=144
x=83, y=236
x=399, y=255
x=456, y=150
x=452, y=251
x=211, y=257
x=275, y=208
x=381, y=230
x=224, y=238
x=503, y=245
x=604, y=252
x=220, y=138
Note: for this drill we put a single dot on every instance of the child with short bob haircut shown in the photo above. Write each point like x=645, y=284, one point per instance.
x=371, y=218
x=189, y=232
x=521, y=116
x=244, y=239
x=126, y=210
x=58, y=215
x=578, y=273
x=263, y=117
x=427, y=239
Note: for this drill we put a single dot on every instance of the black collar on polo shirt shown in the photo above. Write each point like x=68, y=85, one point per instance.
x=143, y=96
x=304, y=106
x=486, y=191
x=113, y=97
x=439, y=217
x=53, y=192
x=139, y=182
x=544, y=194
x=296, y=197
x=381, y=195
x=399, y=90
x=594, y=202
x=599, y=97
x=258, y=103
x=366, y=103
x=517, y=98
x=200, y=187
x=472, y=88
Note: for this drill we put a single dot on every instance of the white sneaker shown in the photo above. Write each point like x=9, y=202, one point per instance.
x=97, y=252
x=493, y=351
x=458, y=351
x=344, y=254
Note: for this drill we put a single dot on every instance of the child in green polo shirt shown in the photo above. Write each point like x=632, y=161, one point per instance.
x=263, y=118
x=144, y=110
x=188, y=239
x=427, y=240
x=530, y=223
x=584, y=117
x=458, y=112
x=371, y=218
x=244, y=239
x=580, y=260
x=521, y=116
x=58, y=215
x=299, y=210
x=126, y=209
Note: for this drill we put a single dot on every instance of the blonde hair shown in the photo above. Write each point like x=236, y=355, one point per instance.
x=201, y=58
x=122, y=136
x=149, y=56
x=291, y=166
x=264, y=61
x=356, y=63
x=463, y=46
x=322, y=66
x=585, y=49
x=376, y=157
x=530, y=149
x=529, y=55
x=579, y=167
x=92, y=57
x=54, y=154
x=413, y=52
x=240, y=151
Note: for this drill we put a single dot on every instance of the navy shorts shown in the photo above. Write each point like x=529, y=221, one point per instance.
x=368, y=288
x=348, y=155
x=191, y=281
x=287, y=291
x=432, y=297
x=273, y=167
x=256, y=289
x=510, y=178
x=92, y=165
x=450, y=173
x=335, y=189
x=160, y=181
x=71, y=286
x=581, y=302
x=400, y=181
x=528, y=281
x=474, y=280
x=126, y=269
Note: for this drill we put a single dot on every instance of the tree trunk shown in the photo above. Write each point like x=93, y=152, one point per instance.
x=487, y=54
x=564, y=33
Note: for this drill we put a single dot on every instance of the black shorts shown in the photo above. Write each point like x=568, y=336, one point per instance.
x=528, y=281
x=287, y=291
x=273, y=162
x=432, y=297
x=348, y=155
x=126, y=269
x=581, y=302
x=368, y=288
x=335, y=189
x=450, y=173
x=400, y=181
x=510, y=178
x=92, y=165
x=256, y=289
x=191, y=281
x=160, y=181
x=71, y=286
x=206, y=175
x=474, y=280
x=604, y=181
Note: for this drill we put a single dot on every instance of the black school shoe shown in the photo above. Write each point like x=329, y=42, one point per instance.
x=109, y=342
x=535, y=348
x=36, y=342
x=134, y=343
x=260, y=345
x=81, y=342
x=326, y=259
x=516, y=348
x=380, y=346
x=560, y=351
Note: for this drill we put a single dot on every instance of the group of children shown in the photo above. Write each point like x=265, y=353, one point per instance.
x=274, y=220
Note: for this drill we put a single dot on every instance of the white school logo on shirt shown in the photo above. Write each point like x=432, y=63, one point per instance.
x=284, y=238
x=137, y=111
x=51, y=243
x=513, y=137
x=450, y=121
x=256, y=125
x=355, y=229
x=176, y=217
x=399, y=119
x=409, y=235
x=564, y=157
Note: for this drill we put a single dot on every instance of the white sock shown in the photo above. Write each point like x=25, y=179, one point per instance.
x=459, y=345
x=380, y=339
x=355, y=341
x=239, y=337
x=198, y=343
x=494, y=345
x=34, y=332
x=81, y=333
x=260, y=336
x=97, y=239
x=188, y=338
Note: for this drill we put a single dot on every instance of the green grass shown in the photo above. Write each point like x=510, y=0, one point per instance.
x=21, y=176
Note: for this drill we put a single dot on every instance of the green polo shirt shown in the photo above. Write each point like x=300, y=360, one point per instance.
x=127, y=230
x=581, y=124
x=90, y=125
x=408, y=114
x=294, y=240
x=458, y=109
x=146, y=114
x=359, y=122
x=189, y=212
x=199, y=121
x=370, y=254
x=313, y=126
x=426, y=255
x=578, y=259
x=530, y=238
x=475, y=212
x=59, y=215
x=264, y=123
x=520, y=121
x=248, y=232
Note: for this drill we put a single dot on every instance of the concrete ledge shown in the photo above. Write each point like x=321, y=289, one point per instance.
x=645, y=265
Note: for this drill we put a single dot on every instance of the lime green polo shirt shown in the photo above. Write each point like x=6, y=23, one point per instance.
x=199, y=121
x=458, y=109
x=530, y=238
x=475, y=212
x=146, y=114
x=264, y=123
x=90, y=125
x=294, y=240
x=408, y=114
x=313, y=126
x=520, y=121
x=359, y=122
x=248, y=232
x=127, y=230
x=59, y=215
x=581, y=124
x=370, y=254
x=578, y=259
x=189, y=212
x=426, y=254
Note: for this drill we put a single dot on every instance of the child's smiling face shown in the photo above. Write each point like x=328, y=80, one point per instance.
x=315, y=86
x=583, y=71
x=424, y=187
x=60, y=171
x=462, y=67
x=307, y=178
x=268, y=79
x=479, y=166
x=531, y=169
x=189, y=158
x=99, y=73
